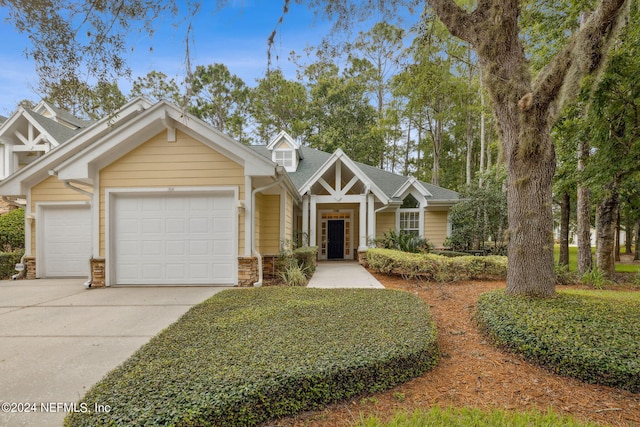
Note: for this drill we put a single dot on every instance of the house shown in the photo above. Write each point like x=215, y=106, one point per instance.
x=154, y=196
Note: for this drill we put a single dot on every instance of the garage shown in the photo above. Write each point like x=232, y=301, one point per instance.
x=174, y=238
x=64, y=241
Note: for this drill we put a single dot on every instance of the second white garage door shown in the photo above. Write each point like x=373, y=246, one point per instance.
x=174, y=239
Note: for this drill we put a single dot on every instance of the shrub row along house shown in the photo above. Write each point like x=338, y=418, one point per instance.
x=152, y=195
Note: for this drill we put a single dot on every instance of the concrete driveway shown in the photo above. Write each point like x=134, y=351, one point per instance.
x=58, y=338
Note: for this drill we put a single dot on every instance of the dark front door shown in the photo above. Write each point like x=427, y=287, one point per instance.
x=335, y=237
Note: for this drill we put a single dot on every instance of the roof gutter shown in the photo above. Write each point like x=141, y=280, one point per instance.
x=280, y=172
x=13, y=202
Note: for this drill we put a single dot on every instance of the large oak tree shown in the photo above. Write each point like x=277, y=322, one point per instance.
x=526, y=108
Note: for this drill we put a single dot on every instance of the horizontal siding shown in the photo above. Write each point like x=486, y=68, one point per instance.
x=385, y=221
x=435, y=226
x=52, y=190
x=288, y=221
x=269, y=209
x=183, y=163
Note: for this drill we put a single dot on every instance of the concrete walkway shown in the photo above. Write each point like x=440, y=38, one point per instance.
x=342, y=274
x=58, y=338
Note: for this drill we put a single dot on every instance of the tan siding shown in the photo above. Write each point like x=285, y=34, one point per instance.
x=435, y=226
x=288, y=220
x=268, y=224
x=384, y=222
x=158, y=163
x=52, y=190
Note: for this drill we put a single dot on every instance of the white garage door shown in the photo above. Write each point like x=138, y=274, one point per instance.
x=174, y=239
x=65, y=245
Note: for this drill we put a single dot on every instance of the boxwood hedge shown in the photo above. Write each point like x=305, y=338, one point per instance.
x=249, y=355
x=596, y=340
x=436, y=268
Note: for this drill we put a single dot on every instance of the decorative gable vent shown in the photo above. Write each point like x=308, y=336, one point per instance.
x=285, y=151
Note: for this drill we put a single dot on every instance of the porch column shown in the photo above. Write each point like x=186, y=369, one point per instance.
x=312, y=226
x=305, y=219
x=363, y=222
x=371, y=218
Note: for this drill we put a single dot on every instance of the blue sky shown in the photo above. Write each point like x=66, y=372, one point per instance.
x=236, y=36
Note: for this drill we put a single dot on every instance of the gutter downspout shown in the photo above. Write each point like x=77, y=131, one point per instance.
x=280, y=174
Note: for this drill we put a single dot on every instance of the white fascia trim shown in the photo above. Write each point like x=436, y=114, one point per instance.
x=11, y=120
x=33, y=173
x=283, y=135
x=411, y=181
x=126, y=138
x=340, y=155
x=34, y=122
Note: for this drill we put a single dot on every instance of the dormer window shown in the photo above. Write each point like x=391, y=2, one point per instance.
x=284, y=158
x=285, y=151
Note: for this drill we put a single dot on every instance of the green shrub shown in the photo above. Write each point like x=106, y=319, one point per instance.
x=306, y=257
x=464, y=417
x=294, y=275
x=436, y=268
x=596, y=340
x=404, y=242
x=246, y=356
x=596, y=278
x=12, y=230
x=450, y=254
x=8, y=263
x=564, y=276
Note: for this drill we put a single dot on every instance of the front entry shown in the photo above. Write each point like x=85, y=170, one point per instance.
x=335, y=239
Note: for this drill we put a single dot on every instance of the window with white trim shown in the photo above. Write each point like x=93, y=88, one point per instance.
x=284, y=158
x=410, y=221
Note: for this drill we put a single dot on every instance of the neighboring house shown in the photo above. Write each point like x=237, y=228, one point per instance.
x=152, y=195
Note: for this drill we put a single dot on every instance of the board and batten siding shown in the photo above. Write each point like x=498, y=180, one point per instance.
x=52, y=190
x=436, y=226
x=184, y=163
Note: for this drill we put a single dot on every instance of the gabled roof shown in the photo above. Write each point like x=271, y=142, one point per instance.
x=389, y=183
x=44, y=108
x=154, y=119
x=2, y=119
x=18, y=183
x=59, y=133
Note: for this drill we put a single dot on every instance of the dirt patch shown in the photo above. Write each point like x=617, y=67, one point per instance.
x=473, y=373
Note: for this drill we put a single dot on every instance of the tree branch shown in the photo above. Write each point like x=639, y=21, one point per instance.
x=584, y=54
x=459, y=22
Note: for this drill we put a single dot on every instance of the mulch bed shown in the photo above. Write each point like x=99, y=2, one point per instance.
x=473, y=373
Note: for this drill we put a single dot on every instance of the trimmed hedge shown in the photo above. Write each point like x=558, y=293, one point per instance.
x=436, y=268
x=12, y=230
x=8, y=261
x=245, y=356
x=596, y=340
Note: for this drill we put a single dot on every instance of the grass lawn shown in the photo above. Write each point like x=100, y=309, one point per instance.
x=615, y=295
x=464, y=417
x=573, y=260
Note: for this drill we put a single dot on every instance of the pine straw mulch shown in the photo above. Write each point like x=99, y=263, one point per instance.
x=474, y=373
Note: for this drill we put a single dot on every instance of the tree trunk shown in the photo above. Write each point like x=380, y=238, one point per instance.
x=565, y=214
x=616, y=250
x=525, y=110
x=605, y=245
x=584, y=215
x=628, y=234
x=636, y=256
x=483, y=142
